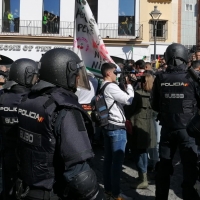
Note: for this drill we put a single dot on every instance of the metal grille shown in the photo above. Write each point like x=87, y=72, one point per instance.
x=161, y=32
x=63, y=29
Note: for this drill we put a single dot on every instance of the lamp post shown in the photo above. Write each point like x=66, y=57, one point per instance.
x=155, y=14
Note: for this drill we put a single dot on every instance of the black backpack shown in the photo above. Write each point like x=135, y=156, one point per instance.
x=100, y=111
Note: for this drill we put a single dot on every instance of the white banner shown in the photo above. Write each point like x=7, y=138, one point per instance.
x=88, y=43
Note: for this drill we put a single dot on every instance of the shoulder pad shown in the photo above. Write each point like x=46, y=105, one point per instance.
x=65, y=100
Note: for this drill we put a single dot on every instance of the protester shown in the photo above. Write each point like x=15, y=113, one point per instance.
x=162, y=61
x=3, y=77
x=114, y=133
x=148, y=66
x=196, y=65
x=85, y=97
x=197, y=54
x=11, y=21
x=194, y=57
x=140, y=65
x=174, y=97
x=143, y=130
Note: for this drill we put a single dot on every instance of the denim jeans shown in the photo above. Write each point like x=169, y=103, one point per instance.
x=12, y=26
x=141, y=160
x=115, y=143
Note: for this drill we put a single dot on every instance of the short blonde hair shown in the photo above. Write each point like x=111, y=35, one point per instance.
x=149, y=79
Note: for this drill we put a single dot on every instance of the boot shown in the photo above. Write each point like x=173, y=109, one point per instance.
x=141, y=182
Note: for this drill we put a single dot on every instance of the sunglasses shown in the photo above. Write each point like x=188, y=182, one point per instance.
x=115, y=72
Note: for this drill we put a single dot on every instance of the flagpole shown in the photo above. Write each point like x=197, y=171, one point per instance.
x=132, y=53
x=74, y=23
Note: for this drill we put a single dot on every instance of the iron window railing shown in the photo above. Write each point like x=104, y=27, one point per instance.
x=63, y=29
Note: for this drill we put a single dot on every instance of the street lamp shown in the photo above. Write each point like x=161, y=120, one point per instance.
x=155, y=14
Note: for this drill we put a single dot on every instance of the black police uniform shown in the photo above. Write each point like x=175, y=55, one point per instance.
x=174, y=98
x=1, y=92
x=9, y=102
x=54, y=145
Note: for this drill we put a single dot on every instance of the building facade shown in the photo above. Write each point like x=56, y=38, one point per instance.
x=167, y=26
x=29, y=28
x=187, y=15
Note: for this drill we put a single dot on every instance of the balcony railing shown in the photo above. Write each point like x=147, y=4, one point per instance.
x=66, y=29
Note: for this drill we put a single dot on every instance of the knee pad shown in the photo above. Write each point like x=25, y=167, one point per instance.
x=84, y=185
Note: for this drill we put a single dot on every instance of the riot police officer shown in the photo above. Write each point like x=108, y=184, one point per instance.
x=174, y=97
x=3, y=77
x=23, y=73
x=54, y=134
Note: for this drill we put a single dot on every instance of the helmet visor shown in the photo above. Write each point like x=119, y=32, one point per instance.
x=35, y=79
x=31, y=76
x=83, y=80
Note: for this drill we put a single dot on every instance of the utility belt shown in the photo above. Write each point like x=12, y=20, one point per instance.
x=24, y=192
x=42, y=194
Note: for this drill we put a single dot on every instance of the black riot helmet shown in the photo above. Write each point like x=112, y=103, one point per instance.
x=24, y=71
x=61, y=67
x=176, y=54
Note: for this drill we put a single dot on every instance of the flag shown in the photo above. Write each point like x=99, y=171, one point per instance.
x=144, y=58
x=88, y=43
x=158, y=62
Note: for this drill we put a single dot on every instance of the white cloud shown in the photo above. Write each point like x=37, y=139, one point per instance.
x=16, y=10
x=123, y=13
x=52, y=11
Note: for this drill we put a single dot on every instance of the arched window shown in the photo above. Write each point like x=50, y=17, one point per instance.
x=94, y=7
x=51, y=16
x=126, y=17
x=10, y=15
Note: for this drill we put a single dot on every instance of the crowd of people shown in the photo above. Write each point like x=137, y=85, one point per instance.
x=50, y=23
x=47, y=136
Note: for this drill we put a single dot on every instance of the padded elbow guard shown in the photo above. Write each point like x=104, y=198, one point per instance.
x=85, y=187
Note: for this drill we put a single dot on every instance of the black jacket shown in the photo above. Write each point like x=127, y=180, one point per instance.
x=174, y=97
x=49, y=147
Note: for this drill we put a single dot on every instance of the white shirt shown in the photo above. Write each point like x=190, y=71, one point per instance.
x=113, y=93
x=85, y=96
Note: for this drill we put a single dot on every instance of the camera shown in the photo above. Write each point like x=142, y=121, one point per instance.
x=126, y=72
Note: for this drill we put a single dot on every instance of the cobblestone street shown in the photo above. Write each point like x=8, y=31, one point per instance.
x=129, y=174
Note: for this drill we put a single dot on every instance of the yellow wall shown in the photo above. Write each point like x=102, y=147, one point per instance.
x=169, y=12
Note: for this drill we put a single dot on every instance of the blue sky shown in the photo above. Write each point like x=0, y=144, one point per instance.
x=126, y=7
x=14, y=7
x=53, y=6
